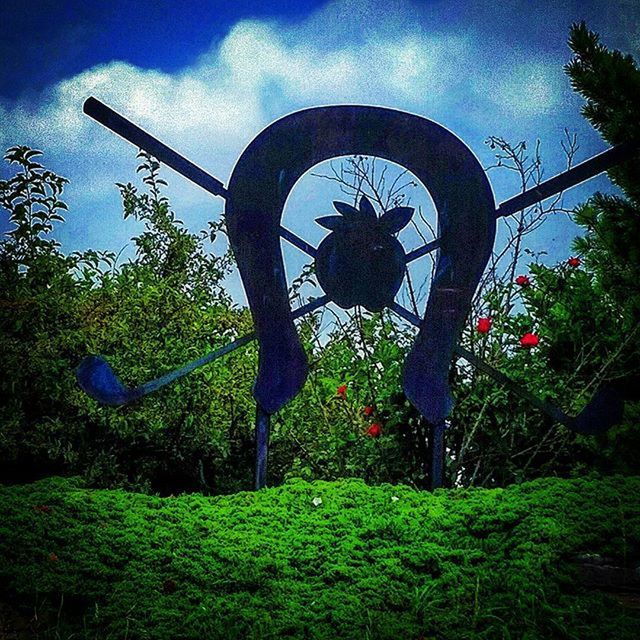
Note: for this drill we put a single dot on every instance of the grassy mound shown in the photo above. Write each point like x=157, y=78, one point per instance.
x=320, y=560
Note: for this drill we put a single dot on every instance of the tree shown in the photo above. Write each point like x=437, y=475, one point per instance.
x=610, y=83
x=155, y=311
x=585, y=310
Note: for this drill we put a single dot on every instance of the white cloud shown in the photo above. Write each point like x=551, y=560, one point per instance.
x=524, y=90
x=228, y=96
x=261, y=71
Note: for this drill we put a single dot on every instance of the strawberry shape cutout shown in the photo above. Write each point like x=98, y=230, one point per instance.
x=361, y=262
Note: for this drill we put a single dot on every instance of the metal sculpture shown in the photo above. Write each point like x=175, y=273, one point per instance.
x=360, y=262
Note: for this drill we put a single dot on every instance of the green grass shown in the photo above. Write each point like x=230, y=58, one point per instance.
x=455, y=564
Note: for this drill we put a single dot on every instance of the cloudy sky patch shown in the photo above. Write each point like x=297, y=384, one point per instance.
x=477, y=68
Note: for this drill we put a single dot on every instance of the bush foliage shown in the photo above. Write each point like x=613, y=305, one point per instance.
x=166, y=306
x=320, y=560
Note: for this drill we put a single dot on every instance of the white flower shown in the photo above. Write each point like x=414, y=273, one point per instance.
x=317, y=502
x=394, y=498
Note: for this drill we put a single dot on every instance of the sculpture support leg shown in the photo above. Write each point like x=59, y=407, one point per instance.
x=263, y=421
x=436, y=437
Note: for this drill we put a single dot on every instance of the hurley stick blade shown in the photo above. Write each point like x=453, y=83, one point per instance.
x=97, y=379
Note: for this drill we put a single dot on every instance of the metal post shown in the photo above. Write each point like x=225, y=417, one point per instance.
x=436, y=446
x=263, y=421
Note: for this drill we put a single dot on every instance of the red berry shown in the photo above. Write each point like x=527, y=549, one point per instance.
x=529, y=340
x=374, y=431
x=484, y=324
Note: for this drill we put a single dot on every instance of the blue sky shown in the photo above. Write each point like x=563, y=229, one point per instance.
x=208, y=76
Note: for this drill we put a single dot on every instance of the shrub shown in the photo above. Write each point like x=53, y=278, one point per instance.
x=320, y=560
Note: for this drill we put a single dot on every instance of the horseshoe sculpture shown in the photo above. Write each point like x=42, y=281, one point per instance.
x=361, y=250
x=259, y=185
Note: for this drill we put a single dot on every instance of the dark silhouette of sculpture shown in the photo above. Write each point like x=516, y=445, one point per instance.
x=360, y=262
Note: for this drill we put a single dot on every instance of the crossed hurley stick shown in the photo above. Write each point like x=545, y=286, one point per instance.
x=97, y=379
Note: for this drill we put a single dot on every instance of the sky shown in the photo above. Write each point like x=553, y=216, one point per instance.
x=207, y=77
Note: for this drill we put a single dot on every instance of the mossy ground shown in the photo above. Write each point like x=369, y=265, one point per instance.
x=381, y=562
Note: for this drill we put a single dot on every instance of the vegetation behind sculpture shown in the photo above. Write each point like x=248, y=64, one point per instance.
x=167, y=305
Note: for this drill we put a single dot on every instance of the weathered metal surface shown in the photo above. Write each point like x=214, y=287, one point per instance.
x=436, y=449
x=263, y=426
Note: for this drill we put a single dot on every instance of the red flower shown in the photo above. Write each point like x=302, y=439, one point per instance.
x=523, y=281
x=53, y=557
x=529, y=340
x=484, y=324
x=573, y=261
x=375, y=430
x=368, y=411
x=342, y=391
